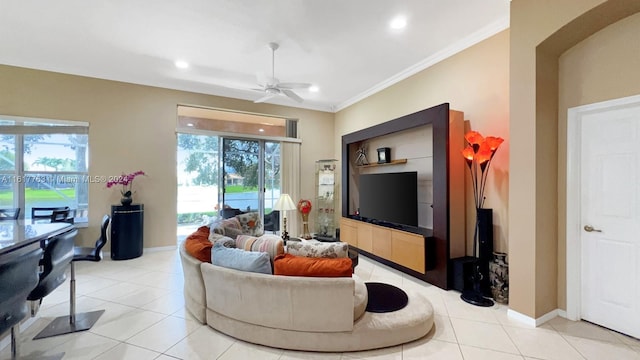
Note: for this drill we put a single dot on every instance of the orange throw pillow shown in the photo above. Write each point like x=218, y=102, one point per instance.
x=198, y=245
x=291, y=265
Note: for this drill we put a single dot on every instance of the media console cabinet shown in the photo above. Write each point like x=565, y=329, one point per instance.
x=424, y=252
x=410, y=249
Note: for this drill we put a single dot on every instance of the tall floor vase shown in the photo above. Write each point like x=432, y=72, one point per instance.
x=483, y=252
x=485, y=247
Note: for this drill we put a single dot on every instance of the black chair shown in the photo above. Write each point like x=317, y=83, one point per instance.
x=60, y=215
x=18, y=277
x=83, y=321
x=58, y=253
x=230, y=212
x=45, y=213
x=9, y=214
x=272, y=221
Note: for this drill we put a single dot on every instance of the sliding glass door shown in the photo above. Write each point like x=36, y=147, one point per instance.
x=219, y=177
x=241, y=163
x=197, y=174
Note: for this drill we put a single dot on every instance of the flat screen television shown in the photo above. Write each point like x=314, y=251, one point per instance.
x=390, y=197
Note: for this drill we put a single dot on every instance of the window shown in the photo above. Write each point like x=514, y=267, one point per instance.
x=44, y=163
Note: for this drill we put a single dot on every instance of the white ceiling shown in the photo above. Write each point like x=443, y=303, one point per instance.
x=345, y=47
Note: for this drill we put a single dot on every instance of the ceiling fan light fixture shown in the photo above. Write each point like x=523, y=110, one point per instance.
x=272, y=87
x=272, y=91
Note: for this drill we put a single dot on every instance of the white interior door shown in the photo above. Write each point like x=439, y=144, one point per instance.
x=610, y=218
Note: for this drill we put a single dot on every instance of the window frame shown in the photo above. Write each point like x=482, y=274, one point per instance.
x=20, y=127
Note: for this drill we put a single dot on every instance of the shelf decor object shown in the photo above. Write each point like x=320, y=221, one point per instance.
x=384, y=155
x=478, y=155
x=283, y=205
x=361, y=154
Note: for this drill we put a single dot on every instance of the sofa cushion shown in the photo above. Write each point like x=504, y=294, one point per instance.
x=250, y=223
x=226, y=242
x=318, y=249
x=197, y=244
x=228, y=227
x=239, y=259
x=291, y=265
x=245, y=242
x=271, y=244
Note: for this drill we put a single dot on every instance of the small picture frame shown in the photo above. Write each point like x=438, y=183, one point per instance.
x=384, y=155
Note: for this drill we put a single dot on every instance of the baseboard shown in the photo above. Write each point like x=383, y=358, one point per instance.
x=531, y=321
x=107, y=254
x=562, y=313
x=161, y=248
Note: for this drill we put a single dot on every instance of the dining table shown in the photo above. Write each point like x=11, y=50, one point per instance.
x=20, y=236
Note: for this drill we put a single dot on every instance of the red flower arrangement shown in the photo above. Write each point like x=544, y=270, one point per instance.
x=478, y=154
x=304, y=206
x=126, y=180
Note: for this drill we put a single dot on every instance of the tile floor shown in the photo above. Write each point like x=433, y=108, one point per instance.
x=145, y=319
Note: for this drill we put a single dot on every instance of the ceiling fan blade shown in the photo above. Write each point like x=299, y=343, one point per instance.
x=265, y=98
x=290, y=85
x=292, y=95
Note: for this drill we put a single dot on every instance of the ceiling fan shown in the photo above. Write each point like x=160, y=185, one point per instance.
x=273, y=87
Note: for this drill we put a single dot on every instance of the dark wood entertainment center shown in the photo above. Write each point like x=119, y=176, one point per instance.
x=424, y=253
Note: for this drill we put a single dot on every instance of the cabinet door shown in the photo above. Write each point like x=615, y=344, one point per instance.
x=365, y=237
x=348, y=232
x=381, y=242
x=408, y=250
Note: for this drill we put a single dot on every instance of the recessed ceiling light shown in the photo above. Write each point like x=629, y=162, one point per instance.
x=314, y=88
x=399, y=22
x=261, y=130
x=181, y=64
x=189, y=124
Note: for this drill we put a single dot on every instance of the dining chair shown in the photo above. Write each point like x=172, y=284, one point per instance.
x=83, y=321
x=60, y=215
x=9, y=214
x=44, y=213
x=18, y=277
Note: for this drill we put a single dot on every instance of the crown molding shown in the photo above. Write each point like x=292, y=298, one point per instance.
x=476, y=37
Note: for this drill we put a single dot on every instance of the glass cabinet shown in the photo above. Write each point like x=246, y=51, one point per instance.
x=325, y=226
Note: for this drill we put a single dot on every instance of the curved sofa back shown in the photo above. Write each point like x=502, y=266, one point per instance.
x=284, y=302
x=195, y=300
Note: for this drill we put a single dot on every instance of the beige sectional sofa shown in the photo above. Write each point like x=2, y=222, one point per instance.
x=299, y=313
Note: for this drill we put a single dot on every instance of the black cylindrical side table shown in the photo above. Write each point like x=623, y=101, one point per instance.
x=127, y=223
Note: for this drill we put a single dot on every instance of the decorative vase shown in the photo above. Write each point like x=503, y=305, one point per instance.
x=499, y=277
x=305, y=226
x=126, y=200
x=484, y=233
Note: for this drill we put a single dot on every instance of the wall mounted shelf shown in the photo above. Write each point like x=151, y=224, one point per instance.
x=392, y=162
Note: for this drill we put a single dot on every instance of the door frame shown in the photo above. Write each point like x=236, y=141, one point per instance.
x=573, y=200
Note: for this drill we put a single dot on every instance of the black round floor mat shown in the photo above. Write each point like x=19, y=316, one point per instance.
x=385, y=297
